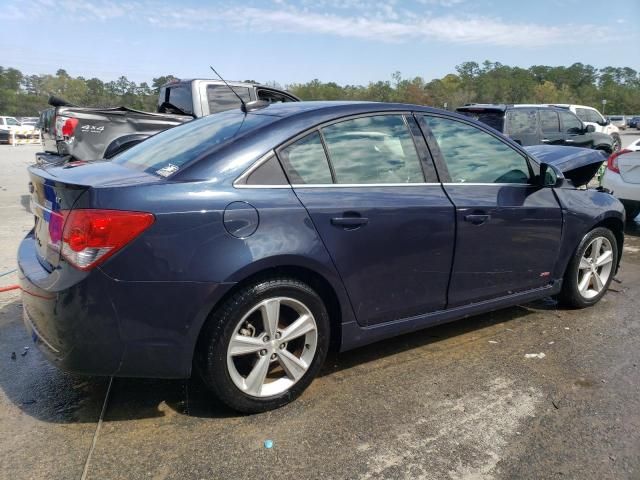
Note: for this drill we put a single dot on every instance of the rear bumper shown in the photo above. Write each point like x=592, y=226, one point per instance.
x=621, y=189
x=92, y=324
x=46, y=158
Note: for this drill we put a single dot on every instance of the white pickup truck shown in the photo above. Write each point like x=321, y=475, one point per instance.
x=591, y=116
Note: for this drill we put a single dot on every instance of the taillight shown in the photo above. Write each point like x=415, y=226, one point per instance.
x=612, y=162
x=65, y=126
x=91, y=236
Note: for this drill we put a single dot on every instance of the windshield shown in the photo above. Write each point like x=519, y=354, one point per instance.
x=165, y=153
x=12, y=121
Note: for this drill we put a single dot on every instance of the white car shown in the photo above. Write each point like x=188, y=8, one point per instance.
x=591, y=116
x=9, y=124
x=622, y=178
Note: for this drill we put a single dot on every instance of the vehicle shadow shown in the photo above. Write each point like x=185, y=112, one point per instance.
x=632, y=228
x=42, y=391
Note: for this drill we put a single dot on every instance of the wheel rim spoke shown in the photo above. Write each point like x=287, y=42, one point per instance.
x=595, y=249
x=584, y=283
x=255, y=379
x=243, y=345
x=584, y=264
x=598, y=282
x=301, y=326
x=270, y=311
x=292, y=365
x=606, y=257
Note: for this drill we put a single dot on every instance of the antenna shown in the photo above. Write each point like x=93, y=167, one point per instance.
x=243, y=106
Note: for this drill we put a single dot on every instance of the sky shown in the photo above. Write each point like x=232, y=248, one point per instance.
x=285, y=41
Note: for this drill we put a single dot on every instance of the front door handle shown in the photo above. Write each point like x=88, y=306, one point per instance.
x=349, y=222
x=545, y=140
x=477, y=219
x=569, y=140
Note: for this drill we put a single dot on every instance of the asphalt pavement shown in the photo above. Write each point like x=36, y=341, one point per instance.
x=459, y=401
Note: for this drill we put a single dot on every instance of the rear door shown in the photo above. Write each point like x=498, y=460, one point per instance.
x=550, y=127
x=383, y=217
x=508, y=230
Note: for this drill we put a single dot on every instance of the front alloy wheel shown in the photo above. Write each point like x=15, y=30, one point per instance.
x=590, y=270
x=264, y=345
x=595, y=267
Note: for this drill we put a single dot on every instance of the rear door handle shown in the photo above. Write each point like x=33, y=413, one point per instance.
x=545, y=140
x=477, y=219
x=349, y=222
x=569, y=140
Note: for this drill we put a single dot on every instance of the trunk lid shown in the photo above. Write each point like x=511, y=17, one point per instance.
x=57, y=189
x=577, y=164
x=629, y=165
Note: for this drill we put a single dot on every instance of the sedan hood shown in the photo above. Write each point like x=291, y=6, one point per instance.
x=577, y=164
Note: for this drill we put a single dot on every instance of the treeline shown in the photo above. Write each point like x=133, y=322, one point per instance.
x=489, y=82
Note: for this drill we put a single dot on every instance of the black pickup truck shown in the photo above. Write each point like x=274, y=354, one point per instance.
x=72, y=133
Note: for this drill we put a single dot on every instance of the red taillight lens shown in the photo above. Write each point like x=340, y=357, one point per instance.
x=612, y=162
x=69, y=127
x=91, y=236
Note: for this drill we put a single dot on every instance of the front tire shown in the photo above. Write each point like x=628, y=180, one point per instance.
x=262, y=348
x=591, y=269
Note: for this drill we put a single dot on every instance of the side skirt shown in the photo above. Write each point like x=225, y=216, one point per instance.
x=353, y=335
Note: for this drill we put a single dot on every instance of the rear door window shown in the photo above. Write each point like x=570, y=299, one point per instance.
x=220, y=97
x=549, y=121
x=495, y=119
x=376, y=149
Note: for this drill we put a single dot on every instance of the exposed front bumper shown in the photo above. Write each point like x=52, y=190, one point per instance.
x=92, y=324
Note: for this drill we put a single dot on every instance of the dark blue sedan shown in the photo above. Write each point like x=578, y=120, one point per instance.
x=249, y=243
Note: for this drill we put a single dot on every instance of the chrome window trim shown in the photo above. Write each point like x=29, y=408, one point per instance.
x=489, y=184
x=360, y=185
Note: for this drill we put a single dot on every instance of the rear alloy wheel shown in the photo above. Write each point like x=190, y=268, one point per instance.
x=591, y=270
x=265, y=345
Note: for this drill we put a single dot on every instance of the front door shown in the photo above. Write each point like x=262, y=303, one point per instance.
x=573, y=130
x=389, y=231
x=508, y=230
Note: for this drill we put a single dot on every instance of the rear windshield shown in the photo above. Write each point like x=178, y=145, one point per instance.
x=165, y=153
x=492, y=118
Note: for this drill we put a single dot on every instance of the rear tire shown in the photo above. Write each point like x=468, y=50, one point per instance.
x=590, y=270
x=264, y=345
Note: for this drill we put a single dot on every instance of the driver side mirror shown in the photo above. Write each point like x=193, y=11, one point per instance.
x=605, y=122
x=550, y=176
x=589, y=129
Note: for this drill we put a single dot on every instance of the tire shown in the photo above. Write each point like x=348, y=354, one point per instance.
x=617, y=143
x=232, y=370
x=573, y=293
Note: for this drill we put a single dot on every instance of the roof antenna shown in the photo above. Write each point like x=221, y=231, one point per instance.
x=244, y=106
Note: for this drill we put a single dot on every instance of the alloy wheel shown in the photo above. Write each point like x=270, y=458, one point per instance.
x=272, y=347
x=596, y=265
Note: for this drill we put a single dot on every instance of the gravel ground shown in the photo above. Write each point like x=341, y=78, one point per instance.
x=460, y=401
